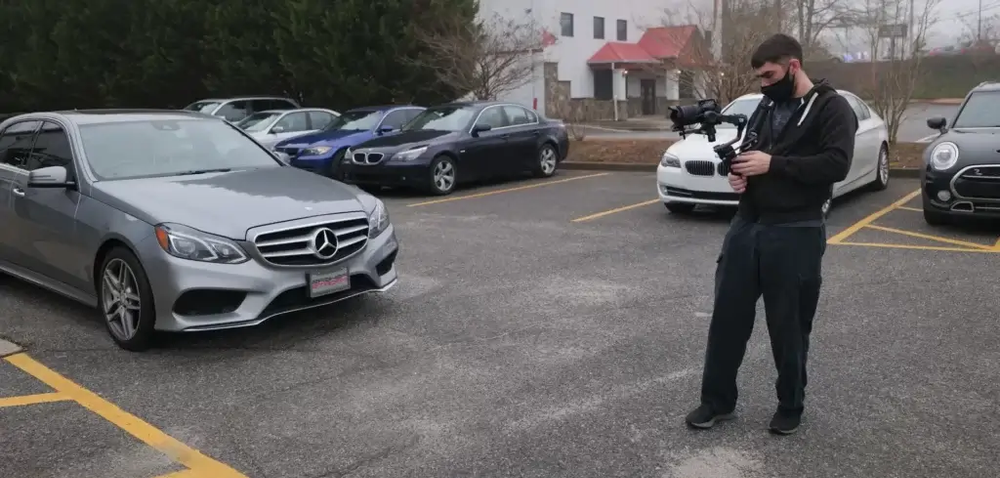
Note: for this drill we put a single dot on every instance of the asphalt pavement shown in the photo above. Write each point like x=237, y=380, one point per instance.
x=543, y=328
x=912, y=128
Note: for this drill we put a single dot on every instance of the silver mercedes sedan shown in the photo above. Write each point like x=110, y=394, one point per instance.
x=175, y=221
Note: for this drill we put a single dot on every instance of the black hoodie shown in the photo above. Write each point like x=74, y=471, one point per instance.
x=811, y=153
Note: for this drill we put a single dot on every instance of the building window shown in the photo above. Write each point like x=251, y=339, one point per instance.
x=622, y=30
x=604, y=88
x=566, y=22
x=598, y=28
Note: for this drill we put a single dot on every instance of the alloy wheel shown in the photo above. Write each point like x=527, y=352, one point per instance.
x=120, y=299
x=883, y=166
x=547, y=160
x=444, y=175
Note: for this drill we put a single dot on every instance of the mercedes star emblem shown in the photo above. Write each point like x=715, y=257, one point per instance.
x=324, y=243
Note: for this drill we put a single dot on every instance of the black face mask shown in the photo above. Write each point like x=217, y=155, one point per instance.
x=781, y=90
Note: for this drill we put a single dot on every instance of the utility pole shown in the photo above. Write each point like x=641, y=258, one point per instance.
x=910, y=32
x=979, y=35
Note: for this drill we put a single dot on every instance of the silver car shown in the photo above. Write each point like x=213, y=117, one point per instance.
x=175, y=221
x=274, y=126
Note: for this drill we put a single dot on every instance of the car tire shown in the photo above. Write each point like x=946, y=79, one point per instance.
x=679, y=207
x=546, y=161
x=122, y=282
x=441, y=169
x=333, y=170
x=881, y=181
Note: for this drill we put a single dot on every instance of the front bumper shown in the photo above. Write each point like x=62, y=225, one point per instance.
x=196, y=296
x=386, y=174
x=959, y=193
x=677, y=185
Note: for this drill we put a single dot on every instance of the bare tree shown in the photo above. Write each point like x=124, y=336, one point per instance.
x=891, y=81
x=739, y=29
x=485, y=58
x=979, y=32
x=812, y=19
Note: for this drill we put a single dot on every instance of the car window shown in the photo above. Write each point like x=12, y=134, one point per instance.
x=517, y=115
x=15, y=143
x=168, y=147
x=532, y=117
x=293, y=122
x=394, y=120
x=412, y=113
x=203, y=106
x=258, y=121
x=234, y=110
x=278, y=104
x=980, y=111
x=51, y=148
x=320, y=119
x=361, y=120
x=744, y=107
x=492, y=116
x=443, y=118
x=860, y=110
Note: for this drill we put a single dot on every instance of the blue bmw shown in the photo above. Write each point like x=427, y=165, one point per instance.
x=323, y=151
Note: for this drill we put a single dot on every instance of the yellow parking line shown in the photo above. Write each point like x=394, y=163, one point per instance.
x=184, y=474
x=971, y=245
x=616, y=210
x=507, y=190
x=32, y=399
x=199, y=464
x=853, y=228
x=996, y=247
x=908, y=208
x=918, y=248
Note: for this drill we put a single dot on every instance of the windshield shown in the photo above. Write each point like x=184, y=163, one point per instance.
x=982, y=110
x=451, y=118
x=206, y=107
x=257, y=122
x=739, y=107
x=137, y=149
x=355, y=120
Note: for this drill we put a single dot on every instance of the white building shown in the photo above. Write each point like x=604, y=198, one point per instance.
x=603, y=53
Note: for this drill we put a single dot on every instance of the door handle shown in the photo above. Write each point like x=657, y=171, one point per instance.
x=18, y=191
x=505, y=136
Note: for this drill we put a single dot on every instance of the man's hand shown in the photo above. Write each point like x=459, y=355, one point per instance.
x=738, y=183
x=752, y=163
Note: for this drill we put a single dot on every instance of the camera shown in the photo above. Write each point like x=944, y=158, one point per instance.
x=707, y=114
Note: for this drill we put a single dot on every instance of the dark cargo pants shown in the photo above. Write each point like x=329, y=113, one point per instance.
x=782, y=263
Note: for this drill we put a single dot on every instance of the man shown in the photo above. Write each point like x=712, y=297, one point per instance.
x=775, y=244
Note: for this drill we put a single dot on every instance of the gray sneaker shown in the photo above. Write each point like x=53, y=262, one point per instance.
x=704, y=417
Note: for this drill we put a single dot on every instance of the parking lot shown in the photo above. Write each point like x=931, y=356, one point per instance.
x=541, y=328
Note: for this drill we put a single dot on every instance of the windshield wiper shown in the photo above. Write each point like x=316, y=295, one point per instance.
x=204, y=171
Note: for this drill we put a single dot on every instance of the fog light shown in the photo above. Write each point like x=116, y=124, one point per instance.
x=944, y=195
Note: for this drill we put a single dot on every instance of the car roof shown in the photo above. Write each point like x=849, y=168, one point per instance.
x=384, y=108
x=986, y=86
x=237, y=98
x=95, y=116
x=757, y=96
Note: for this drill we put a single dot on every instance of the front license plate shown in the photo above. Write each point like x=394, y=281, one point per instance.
x=328, y=283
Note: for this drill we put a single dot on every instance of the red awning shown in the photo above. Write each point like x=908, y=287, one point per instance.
x=616, y=52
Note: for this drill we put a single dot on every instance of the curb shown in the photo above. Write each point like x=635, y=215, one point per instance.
x=648, y=168
x=8, y=348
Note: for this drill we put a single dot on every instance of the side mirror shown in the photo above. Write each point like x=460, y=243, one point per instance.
x=937, y=123
x=52, y=177
x=277, y=129
x=385, y=129
x=479, y=128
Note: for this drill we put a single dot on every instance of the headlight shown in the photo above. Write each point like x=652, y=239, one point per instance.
x=317, y=151
x=944, y=156
x=187, y=243
x=410, y=154
x=378, y=219
x=670, y=161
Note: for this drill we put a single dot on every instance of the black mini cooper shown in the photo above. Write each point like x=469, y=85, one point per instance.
x=961, y=174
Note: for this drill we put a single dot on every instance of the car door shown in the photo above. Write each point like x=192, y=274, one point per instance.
x=866, y=142
x=46, y=217
x=523, y=140
x=15, y=146
x=319, y=120
x=289, y=126
x=482, y=155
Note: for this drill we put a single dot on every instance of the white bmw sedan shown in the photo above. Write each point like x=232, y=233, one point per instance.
x=690, y=173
